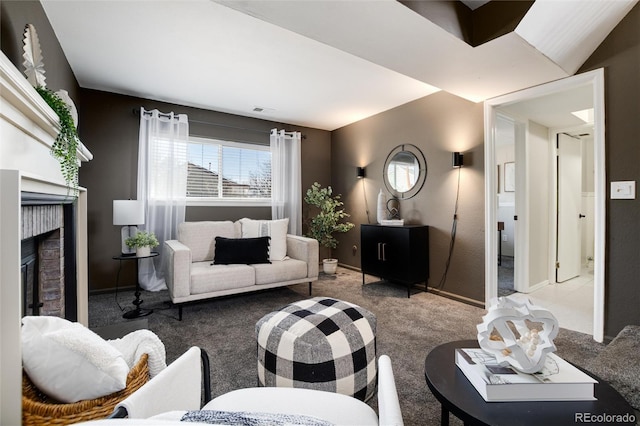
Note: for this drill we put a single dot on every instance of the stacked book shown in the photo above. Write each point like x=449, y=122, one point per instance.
x=557, y=381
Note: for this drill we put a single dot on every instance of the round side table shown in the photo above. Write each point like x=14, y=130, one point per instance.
x=137, y=312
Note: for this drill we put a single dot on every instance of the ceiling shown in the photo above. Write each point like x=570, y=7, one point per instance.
x=554, y=111
x=314, y=63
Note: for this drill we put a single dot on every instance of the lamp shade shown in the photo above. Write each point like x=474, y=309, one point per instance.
x=128, y=212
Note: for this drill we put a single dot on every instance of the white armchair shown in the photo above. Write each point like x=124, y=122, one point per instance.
x=180, y=386
x=154, y=403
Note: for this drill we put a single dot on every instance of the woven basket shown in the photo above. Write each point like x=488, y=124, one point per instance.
x=38, y=409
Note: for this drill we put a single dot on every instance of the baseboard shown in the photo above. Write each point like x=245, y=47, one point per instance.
x=351, y=267
x=456, y=297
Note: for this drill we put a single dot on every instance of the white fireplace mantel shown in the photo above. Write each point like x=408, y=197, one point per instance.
x=28, y=128
x=33, y=127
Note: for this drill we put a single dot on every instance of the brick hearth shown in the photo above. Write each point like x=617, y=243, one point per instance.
x=45, y=223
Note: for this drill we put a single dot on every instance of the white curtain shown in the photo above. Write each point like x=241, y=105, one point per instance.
x=286, y=177
x=162, y=184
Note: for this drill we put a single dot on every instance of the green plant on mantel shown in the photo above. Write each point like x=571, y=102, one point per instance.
x=327, y=221
x=65, y=146
x=142, y=239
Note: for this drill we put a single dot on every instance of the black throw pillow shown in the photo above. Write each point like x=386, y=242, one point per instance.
x=245, y=251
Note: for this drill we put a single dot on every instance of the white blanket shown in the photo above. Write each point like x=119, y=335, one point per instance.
x=139, y=342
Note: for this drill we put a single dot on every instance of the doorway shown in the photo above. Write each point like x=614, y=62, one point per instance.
x=543, y=112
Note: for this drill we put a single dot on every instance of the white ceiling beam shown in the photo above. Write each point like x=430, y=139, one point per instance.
x=568, y=32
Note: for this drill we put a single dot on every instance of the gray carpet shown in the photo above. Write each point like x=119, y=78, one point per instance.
x=407, y=329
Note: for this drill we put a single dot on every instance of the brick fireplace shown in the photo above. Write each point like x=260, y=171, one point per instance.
x=47, y=258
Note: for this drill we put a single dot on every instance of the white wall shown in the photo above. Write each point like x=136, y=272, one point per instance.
x=506, y=203
x=537, y=175
x=505, y=153
x=539, y=178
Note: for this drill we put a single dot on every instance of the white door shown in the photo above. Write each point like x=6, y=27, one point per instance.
x=569, y=207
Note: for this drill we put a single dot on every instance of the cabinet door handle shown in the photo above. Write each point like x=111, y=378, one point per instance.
x=384, y=254
x=379, y=251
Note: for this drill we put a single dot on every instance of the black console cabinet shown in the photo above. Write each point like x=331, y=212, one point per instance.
x=395, y=253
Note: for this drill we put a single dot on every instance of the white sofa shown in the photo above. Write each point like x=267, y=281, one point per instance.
x=191, y=275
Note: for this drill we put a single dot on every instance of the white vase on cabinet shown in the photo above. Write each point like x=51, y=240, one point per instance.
x=381, y=207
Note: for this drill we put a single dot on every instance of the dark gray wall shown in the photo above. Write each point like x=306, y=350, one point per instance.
x=474, y=27
x=438, y=124
x=112, y=136
x=14, y=16
x=619, y=55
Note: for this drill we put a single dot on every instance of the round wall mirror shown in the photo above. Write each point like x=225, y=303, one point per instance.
x=405, y=171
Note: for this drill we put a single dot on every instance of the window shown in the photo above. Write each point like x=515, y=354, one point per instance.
x=165, y=168
x=228, y=173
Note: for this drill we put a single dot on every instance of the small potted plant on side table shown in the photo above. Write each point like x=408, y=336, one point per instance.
x=327, y=221
x=143, y=242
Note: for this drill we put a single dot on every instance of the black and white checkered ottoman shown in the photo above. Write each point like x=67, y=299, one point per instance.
x=320, y=343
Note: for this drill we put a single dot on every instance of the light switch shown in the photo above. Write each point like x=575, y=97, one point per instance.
x=624, y=190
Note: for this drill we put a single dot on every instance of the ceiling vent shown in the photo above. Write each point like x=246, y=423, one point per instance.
x=262, y=109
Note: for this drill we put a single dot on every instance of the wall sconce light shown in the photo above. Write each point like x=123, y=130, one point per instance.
x=458, y=159
x=360, y=173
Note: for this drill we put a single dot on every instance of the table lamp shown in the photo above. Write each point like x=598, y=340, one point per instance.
x=128, y=213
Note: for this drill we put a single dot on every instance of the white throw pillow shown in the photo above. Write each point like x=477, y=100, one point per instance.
x=69, y=362
x=276, y=229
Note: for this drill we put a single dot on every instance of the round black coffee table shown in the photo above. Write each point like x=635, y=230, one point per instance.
x=458, y=396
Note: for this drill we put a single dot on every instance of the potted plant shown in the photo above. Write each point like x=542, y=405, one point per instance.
x=65, y=146
x=327, y=221
x=143, y=242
